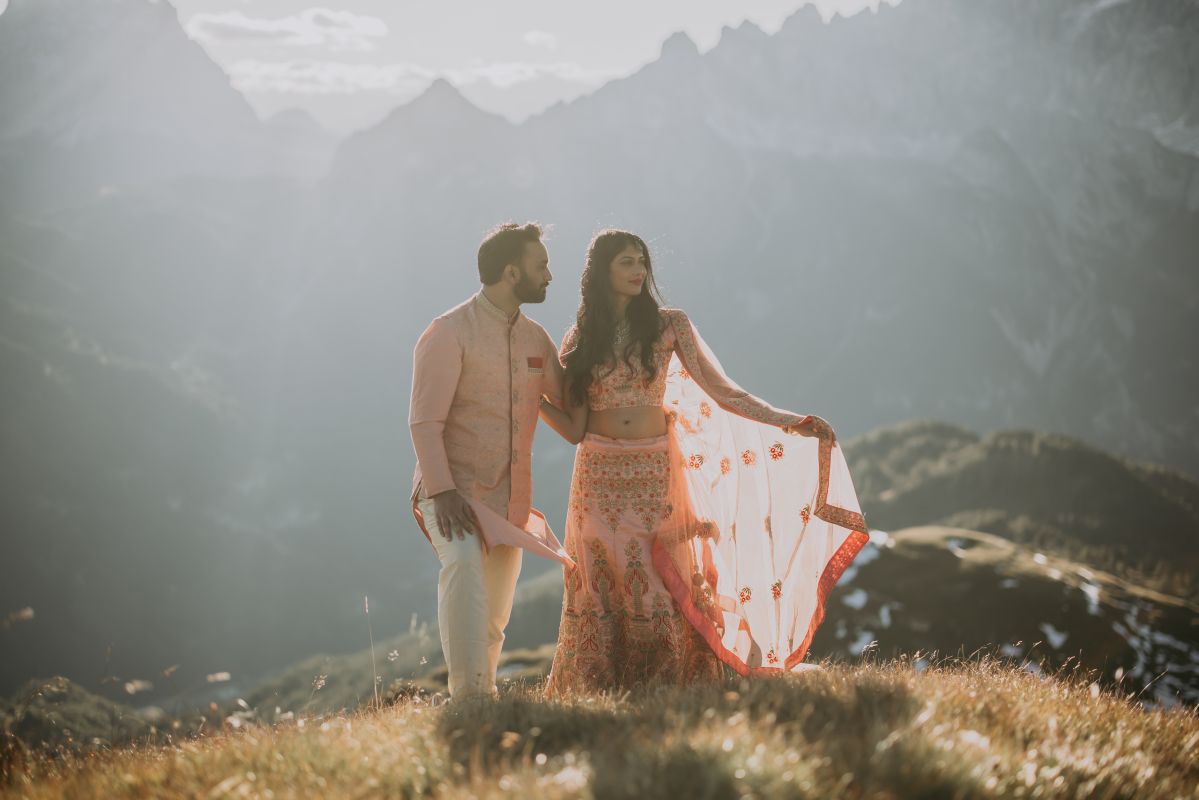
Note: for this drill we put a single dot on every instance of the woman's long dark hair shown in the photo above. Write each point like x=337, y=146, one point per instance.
x=595, y=322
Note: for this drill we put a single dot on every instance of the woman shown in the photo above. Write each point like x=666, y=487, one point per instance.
x=699, y=536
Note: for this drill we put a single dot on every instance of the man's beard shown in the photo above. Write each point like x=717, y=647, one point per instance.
x=529, y=291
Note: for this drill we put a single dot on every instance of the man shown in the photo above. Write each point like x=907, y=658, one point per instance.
x=479, y=373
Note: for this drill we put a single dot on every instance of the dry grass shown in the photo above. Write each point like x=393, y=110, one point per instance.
x=958, y=728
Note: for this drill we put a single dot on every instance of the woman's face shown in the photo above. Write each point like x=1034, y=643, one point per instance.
x=629, y=271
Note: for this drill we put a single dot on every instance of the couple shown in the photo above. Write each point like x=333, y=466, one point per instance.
x=699, y=534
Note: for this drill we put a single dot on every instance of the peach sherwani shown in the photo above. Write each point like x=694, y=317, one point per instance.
x=477, y=381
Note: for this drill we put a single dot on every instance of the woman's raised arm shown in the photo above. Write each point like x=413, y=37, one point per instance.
x=701, y=363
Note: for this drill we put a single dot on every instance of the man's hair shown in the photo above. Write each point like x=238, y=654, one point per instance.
x=503, y=245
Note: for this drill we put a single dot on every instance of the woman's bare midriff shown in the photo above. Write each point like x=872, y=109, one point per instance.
x=637, y=422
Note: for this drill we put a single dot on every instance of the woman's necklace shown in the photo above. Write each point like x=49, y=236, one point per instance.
x=621, y=333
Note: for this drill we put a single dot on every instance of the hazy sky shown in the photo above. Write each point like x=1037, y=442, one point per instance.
x=350, y=61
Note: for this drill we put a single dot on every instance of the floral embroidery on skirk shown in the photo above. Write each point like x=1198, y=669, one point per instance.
x=636, y=582
x=749, y=458
x=805, y=513
x=603, y=581
x=746, y=594
x=726, y=466
x=776, y=451
x=587, y=638
x=696, y=461
x=661, y=618
x=776, y=589
x=573, y=580
x=771, y=657
x=705, y=410
x=611, y=483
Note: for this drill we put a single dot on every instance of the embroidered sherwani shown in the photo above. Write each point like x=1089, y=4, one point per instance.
x=477, y=381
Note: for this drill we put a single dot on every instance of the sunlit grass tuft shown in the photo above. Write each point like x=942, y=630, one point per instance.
x=933, y=727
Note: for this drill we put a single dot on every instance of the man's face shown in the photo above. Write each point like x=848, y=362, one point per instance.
x=535, y=274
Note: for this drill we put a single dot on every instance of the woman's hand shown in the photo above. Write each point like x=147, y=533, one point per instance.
x=811, y=426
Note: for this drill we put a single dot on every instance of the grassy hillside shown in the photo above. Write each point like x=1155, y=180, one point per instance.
x=56, y=713
x=1138, y=521
x=952, y=728
x=919, y=589
x=940, y=588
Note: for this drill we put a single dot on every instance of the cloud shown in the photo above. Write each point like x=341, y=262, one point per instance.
x=313, y=27
x=509, y=73
x=541, y=39
x=305, y=76
x=309, y=76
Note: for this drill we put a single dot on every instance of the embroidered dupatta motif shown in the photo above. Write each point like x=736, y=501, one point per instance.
x=772, y=519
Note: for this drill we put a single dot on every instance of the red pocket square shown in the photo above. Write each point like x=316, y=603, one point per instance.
x=535, y=362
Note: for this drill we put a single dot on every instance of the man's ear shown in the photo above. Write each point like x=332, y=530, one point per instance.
x=512, y=271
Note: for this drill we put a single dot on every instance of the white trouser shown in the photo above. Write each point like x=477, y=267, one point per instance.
x=474, y=600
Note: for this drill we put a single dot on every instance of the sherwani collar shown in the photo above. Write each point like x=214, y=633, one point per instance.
x=496, y=311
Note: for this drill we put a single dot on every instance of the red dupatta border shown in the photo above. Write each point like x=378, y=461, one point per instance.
x=665, y=566
x=743, y=404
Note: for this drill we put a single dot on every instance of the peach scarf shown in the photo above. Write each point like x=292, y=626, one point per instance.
x=773, y=519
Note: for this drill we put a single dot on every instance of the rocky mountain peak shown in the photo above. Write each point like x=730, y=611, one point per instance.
x=679, y=46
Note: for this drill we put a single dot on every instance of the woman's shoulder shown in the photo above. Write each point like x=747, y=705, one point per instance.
x=672, y=320
x=672, y=316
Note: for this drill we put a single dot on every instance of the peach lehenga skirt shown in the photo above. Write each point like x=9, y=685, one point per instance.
x=620, y=625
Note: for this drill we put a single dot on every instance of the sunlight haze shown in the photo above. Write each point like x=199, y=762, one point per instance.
x=349, y=62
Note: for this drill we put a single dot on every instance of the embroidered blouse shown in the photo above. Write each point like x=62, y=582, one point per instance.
x=622, y=385
x=627, y=385
x=624, y=390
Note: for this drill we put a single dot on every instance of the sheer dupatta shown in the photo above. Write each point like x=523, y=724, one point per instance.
x=770, y=520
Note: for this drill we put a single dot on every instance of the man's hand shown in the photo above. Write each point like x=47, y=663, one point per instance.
x=811, y=426
x=454, y=515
